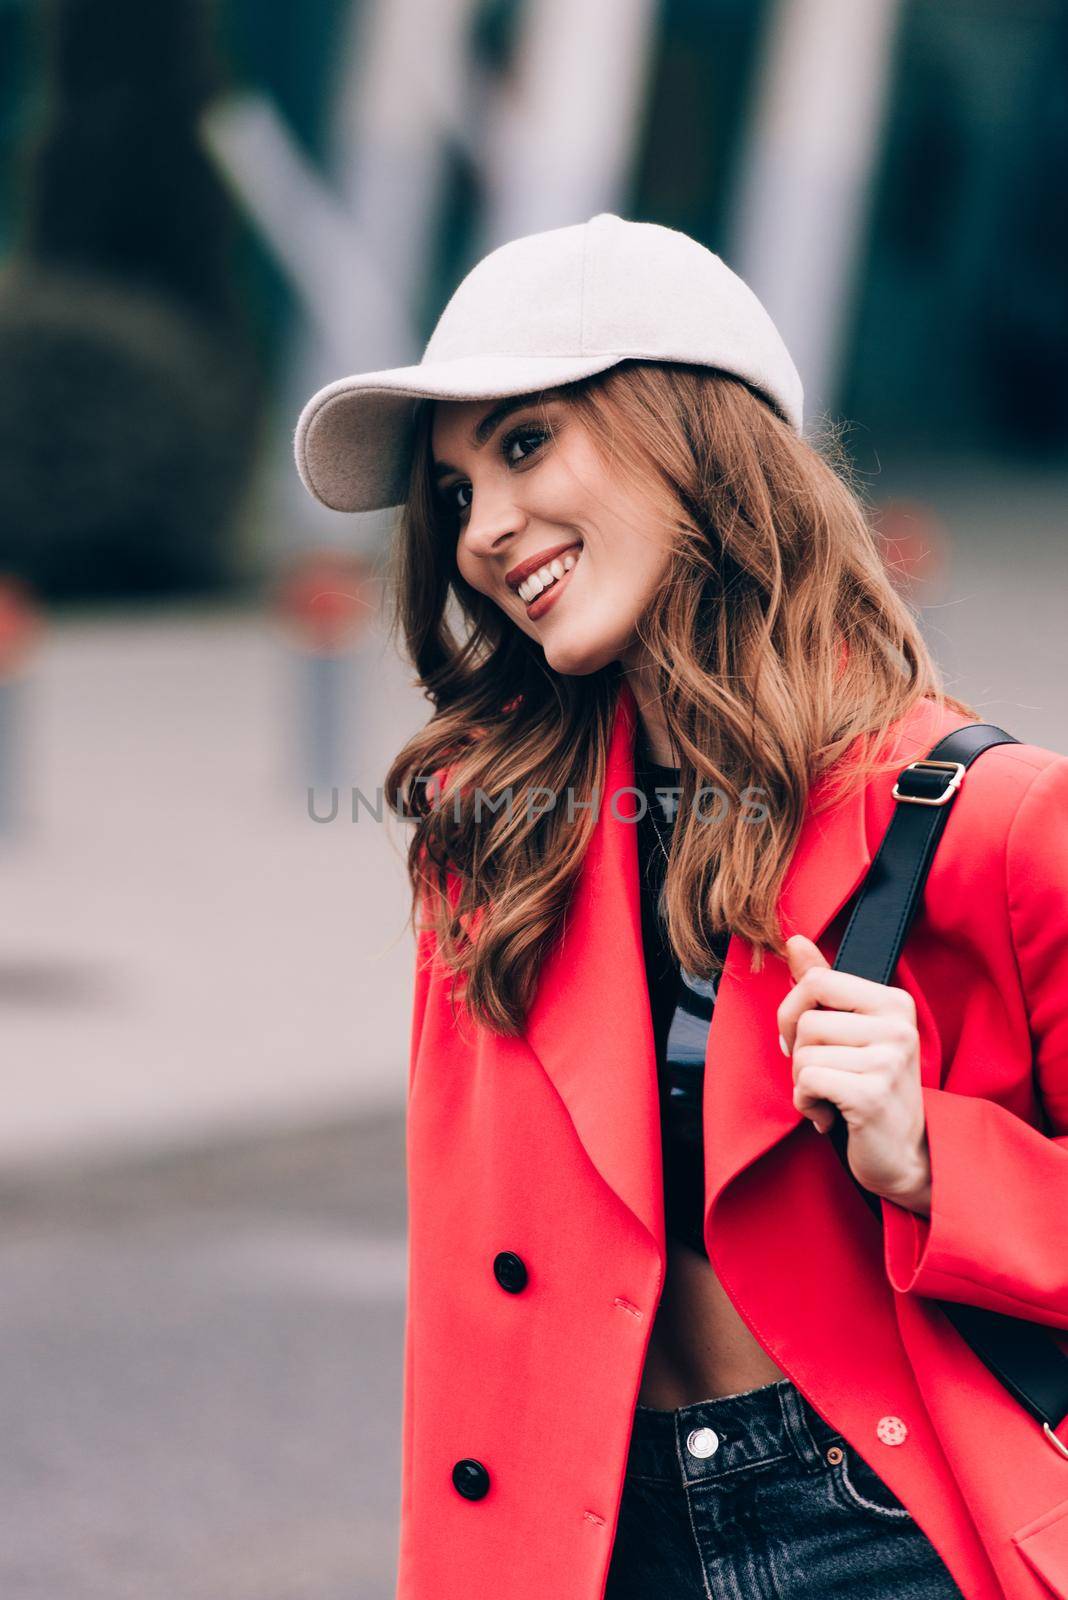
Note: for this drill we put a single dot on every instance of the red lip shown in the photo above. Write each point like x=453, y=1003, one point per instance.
x=518, y=574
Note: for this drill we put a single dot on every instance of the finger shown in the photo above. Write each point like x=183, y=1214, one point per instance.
x=853, y=1093
x=840, y=991
x=854, y=1060
x=802, y=953
x=821, y=1115
x=845, y=991
x=843, y=1027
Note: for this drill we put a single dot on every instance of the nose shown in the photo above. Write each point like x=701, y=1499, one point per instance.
x=492, y=523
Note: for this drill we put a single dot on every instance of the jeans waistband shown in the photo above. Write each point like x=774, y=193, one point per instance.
x=718, y=1438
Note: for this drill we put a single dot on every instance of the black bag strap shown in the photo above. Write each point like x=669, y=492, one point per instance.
x=1019, y=1353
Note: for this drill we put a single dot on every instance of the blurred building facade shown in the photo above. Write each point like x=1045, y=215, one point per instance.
x=209, y=207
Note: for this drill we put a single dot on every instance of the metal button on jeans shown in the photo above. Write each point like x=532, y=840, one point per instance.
x=702, y=1443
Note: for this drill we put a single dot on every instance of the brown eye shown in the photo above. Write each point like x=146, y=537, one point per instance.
x=521, y=435
x=451, y=509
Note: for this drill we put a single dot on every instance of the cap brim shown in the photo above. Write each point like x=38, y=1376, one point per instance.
x=353, y=440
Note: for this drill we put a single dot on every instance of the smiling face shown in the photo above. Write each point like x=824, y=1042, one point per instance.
x=522, y=500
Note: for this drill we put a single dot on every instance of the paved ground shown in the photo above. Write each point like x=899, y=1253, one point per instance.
x=183, y=949
x=200, y=1373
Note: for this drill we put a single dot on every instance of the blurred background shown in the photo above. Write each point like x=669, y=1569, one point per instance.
x=208, y=208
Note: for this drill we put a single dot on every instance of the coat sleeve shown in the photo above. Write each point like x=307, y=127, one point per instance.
x=996, y=1236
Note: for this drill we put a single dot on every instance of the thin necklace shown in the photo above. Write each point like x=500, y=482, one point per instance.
x=645, y=760
x=654, y=801
x=720, y=941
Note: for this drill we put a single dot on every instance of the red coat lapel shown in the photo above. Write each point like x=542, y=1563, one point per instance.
x=590, y=1024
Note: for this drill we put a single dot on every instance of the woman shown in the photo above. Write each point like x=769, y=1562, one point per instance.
x=656, y=1344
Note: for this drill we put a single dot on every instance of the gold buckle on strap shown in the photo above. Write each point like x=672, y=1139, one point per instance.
x=956, y=767
x=1057, y=1443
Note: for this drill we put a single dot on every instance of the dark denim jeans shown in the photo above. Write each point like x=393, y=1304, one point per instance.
x=754, y=1497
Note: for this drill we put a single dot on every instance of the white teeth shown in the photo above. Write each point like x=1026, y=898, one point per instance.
x=533, y=586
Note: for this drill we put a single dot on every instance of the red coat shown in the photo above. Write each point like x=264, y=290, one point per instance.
x=547, y=1147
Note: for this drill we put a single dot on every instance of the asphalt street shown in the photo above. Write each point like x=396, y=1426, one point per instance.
x=201, y=1372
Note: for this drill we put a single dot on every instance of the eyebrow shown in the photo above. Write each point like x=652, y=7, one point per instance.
x=482, y=430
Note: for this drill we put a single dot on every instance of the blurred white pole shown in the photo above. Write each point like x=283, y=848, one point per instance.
x=801, y=198
x=403, y=91
x=401, y=83
x=335, y=275
x=560, y=142
x=356, y=243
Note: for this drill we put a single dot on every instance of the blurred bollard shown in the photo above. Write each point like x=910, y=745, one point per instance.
x=915, y=546
x=19, y=626
x=326, y=603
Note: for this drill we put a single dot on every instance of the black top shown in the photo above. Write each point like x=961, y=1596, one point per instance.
x=681, y=1007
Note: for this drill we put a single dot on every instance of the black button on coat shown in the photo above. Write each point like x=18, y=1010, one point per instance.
x=471, y=1478
x=510, y=1271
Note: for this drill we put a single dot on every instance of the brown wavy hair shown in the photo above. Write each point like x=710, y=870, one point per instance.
x=777, y=637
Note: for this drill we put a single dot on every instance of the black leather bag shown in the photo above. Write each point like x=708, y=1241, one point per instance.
x=1021, y=1354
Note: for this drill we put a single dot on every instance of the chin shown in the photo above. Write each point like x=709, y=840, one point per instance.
x=576, y=665
x=578, y=657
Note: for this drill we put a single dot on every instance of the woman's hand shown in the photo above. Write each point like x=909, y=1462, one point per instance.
x=855, y=1046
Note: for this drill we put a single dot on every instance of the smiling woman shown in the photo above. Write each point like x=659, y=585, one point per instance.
x=652, y=1348
x=543, y=490
x=672, y=486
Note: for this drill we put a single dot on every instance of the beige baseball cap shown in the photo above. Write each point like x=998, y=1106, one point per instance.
x=535, y=313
